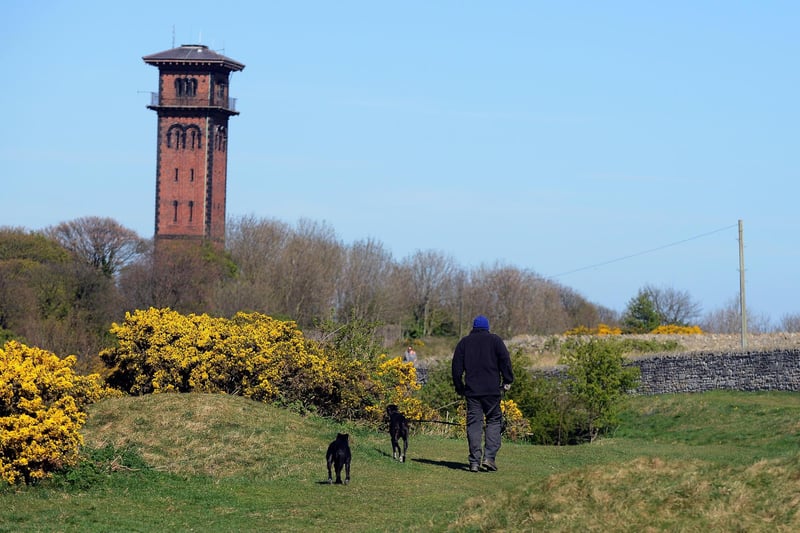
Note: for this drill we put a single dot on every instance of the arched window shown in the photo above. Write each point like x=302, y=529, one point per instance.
x=177, y=136
x=185, y=87
x=195, y=136
x=175, y=210
x=191, y=210
x=220, y=138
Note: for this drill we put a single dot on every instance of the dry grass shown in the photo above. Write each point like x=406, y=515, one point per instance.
x=650, y=494
x=179, y=433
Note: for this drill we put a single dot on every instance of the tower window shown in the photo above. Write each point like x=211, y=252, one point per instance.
x=191, y=210
x=177, y=135
x=175, y=210
x=176, y=174
x=185, y=87
x=221, y=138
x=191, y=174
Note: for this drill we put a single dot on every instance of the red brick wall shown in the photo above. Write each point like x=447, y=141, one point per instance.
x=202, y=169
x=187, y=161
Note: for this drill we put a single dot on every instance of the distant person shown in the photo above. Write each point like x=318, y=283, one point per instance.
x=410, y=356
x=481, y=371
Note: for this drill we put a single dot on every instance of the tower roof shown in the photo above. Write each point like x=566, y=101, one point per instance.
x=192, y=54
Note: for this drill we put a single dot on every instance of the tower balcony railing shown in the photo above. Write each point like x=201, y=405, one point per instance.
x=157, y=100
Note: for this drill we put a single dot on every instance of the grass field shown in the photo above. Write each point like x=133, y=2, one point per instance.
x=718, y=461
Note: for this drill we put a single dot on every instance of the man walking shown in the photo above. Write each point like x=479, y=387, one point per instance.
x=481, y=369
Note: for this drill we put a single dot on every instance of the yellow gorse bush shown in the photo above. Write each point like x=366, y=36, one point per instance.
x=517, y=426
x=395, y=382
x=601, y=329
x=252, y=355
x=673, y=329
x=41, y=411
x=161, y=350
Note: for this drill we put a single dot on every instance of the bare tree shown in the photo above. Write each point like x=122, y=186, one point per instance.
x=728, y=319
x=182, y=275
x=548, y=314
x=426, y=280
x=283, y=271
x=102, y=242
x=673, y=306
x=606, y=315
x=256, y=246
x=307, y=270
x=790, y=323
x=505, y=294
x=579, y=310
x=362, y=290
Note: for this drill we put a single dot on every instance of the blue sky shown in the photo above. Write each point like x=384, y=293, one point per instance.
x=607, y=145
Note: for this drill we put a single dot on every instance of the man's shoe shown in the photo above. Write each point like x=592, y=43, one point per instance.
x=473, y=468
x=489, y=465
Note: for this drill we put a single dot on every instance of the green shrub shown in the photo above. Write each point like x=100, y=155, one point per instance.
x=575, y=405
x=546, y=404
x=597, y=380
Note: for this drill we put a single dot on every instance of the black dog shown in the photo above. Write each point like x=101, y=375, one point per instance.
x=398, y=429
x=339, y=456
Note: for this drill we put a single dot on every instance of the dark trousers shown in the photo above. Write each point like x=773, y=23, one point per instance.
x=478, y=408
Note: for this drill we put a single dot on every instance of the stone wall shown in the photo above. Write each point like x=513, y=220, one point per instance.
x=746, y=371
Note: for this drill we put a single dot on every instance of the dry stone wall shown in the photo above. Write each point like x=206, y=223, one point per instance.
x=708, y=362
x=744, y=371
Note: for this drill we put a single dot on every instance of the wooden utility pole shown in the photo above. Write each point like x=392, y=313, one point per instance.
x=741, y=287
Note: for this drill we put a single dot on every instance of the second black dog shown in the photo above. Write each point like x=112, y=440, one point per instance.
x=398, y=429
x=338, y=456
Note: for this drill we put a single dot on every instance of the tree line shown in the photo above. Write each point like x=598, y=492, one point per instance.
x=63, y=286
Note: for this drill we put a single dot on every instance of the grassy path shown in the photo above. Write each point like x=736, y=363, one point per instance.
x=227, y=464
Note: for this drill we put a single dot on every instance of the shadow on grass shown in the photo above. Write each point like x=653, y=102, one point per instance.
x=383, y=452
x=447, y=464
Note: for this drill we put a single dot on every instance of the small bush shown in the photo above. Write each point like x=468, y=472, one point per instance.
x=597, y=380
x=515, y=426
x=548, y=407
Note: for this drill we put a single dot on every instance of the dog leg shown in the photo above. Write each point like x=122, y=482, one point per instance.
x=330, y=477
x=338, y=473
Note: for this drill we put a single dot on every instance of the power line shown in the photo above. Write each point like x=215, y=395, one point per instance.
x=644, y=252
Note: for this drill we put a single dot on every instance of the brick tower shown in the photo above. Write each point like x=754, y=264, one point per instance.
x=193, y=108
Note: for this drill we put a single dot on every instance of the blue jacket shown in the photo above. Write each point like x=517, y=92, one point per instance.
x=481, y=364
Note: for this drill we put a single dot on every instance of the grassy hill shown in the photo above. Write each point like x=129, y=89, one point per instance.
x=718, y=461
